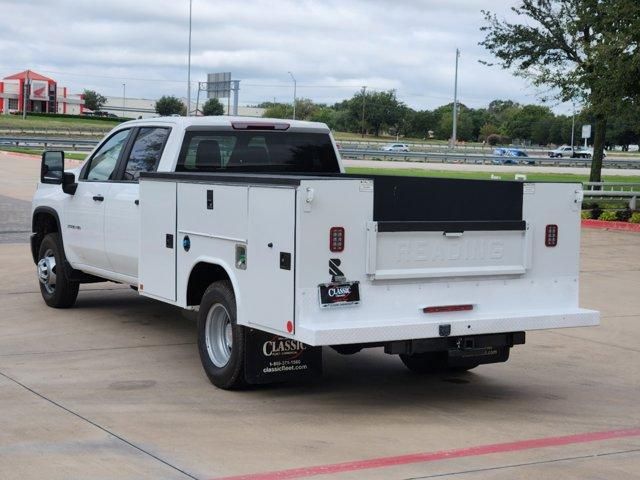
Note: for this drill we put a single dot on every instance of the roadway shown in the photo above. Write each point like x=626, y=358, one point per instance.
x=113, y=388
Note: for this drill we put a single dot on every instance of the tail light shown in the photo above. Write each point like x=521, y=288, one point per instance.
x=448, y=308
x=259, y=126
x=551, y=235
x=336, y=239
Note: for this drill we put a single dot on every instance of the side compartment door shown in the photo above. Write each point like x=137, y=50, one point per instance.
x=268, y=294
x=157, y=276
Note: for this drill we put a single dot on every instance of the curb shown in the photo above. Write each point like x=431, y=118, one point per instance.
x=606, y=225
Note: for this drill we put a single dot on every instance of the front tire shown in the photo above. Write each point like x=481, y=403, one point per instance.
x=221, y=341
x=56, y=288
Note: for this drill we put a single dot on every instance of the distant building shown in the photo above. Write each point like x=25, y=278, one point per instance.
x=43, y=95
x=146, y=108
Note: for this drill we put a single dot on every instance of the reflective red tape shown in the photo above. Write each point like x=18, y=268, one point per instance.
x=381, y=462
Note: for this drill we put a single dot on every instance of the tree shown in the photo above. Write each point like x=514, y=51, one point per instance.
x=212, y=107
x=278, y=110
x=582, y=49
x=170, y=105
x=93, y=100
x=382, y=110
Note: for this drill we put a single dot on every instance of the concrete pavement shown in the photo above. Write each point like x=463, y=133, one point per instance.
x=113, y=388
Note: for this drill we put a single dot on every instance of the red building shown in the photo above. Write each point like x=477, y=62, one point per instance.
x=42, y=95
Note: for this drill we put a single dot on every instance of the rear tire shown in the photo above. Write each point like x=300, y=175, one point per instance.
x=221, y=341
x=56, y=288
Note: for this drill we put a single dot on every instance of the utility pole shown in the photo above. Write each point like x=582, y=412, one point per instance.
x=25, y=94
x=364, y=96
x=573, y=123
x=454, y=136
x=189, y=63
x=124, y=98
x=294, y=94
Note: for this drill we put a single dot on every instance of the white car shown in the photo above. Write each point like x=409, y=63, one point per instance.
x=396, y=147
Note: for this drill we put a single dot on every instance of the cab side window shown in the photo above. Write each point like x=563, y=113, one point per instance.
x=104, y=161
x=146, y=151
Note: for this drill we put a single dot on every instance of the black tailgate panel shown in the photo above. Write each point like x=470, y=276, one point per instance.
x=415, y=199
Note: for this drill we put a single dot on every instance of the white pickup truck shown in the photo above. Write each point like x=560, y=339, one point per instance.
x=254, y=224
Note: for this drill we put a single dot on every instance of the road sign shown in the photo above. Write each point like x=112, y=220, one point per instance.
x=219, y=85
x=586, y=131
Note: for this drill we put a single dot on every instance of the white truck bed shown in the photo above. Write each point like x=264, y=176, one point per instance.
x=496, y=268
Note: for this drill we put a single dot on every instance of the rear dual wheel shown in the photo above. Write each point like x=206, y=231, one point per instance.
x=221, y=341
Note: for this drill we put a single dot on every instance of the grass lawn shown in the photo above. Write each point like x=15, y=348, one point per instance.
x=35, y=151
x=16, y=122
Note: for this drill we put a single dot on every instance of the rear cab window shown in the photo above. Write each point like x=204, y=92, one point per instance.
x=257, y=152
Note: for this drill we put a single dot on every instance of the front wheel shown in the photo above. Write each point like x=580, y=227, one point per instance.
x=56, y=289
x=221, y=341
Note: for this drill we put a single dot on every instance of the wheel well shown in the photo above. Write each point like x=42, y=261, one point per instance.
x=203, y=275
x=42, y=224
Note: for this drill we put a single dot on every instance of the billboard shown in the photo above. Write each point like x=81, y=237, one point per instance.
x=219, y=85
x=39, y=90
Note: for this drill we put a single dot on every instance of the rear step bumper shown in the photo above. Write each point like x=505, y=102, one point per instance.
x=391, y=330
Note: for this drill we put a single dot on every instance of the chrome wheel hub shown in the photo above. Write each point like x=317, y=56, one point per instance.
x=47, y=271
x=219, y=335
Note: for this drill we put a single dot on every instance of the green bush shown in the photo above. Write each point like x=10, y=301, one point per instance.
x=624, y=215
x=635, y=217
x=609, y=216
x=585, y=215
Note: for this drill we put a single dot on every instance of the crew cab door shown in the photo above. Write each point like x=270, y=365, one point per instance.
x=122, y=210
x=83, y=224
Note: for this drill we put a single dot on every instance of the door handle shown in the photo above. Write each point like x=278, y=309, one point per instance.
x=98, y=198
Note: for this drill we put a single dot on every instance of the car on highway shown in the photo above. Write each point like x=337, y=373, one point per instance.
x=571, y=152
x=509, y=156
x=395, y=147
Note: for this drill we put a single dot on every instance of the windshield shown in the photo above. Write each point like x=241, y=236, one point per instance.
x=257, y=151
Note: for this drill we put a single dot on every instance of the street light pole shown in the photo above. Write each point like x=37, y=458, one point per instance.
x=124, y=98
x=454, y=135
x=189, y=63
x=573, y=124
x=294, y=94
x=364, y=96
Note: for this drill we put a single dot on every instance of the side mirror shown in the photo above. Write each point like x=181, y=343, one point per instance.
x=52, y=171
x=52, y=167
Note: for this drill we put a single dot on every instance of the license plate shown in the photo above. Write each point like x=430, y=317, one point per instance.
x=339, y=294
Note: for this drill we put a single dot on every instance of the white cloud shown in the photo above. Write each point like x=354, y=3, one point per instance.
x=333, y=47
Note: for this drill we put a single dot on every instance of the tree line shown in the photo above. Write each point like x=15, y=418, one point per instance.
x=501, y=122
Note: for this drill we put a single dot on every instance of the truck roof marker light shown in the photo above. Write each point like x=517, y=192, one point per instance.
x=336, y=239
x=259, y=126
x=551, y=235
x=448, y=308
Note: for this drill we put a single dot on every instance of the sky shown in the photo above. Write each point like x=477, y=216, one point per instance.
x=332, y=48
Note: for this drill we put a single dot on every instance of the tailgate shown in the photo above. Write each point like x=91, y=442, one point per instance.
x=410, y=250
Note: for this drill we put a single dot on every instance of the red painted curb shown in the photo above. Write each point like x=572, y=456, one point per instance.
x=306, y=472
x=605, y=225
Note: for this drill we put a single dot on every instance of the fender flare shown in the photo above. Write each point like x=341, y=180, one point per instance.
x=35, y=242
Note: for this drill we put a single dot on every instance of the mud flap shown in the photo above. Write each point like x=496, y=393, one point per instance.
x=270, y=358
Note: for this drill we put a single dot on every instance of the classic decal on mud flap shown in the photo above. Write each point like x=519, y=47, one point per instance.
x=272, y=358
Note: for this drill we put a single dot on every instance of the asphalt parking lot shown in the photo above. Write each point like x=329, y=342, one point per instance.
x=113, y=388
